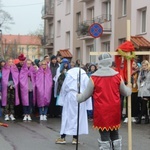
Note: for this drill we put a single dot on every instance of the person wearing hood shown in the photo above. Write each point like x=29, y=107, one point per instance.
x=43, y=89
x=105, y=85
x=67, y=99
x=27, y=87
x=10, y=82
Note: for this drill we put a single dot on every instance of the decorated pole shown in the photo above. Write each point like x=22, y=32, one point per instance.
x=129, y=97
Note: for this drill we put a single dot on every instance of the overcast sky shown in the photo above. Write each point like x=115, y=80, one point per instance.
x=26, y=15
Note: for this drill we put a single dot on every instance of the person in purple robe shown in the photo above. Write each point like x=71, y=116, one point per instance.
x=27, y=88
x=43, y=89
x=10, y=76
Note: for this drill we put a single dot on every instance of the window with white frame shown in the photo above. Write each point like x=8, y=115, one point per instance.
x=106, y=10
x=58, y=28
x=106, y=46
x=68, y=6
x=68, y=39
x=91, y=49
x=124, y=7
x=143, y=20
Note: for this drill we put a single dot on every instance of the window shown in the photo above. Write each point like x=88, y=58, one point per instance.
x=59, y=2
x=59, y=28
x=143, y=21
x=91, y=49
x=68, y=39
x=33, y=49
x=106, y=10
x=122, y=40
x=22, y=49
x=68, y=6
x=51, y=3
x=106, y=47
x=124, y=7
x=78, y=51
x=78, y=18
x=90, y=13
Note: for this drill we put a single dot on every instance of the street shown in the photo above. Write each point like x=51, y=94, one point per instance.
x=37, y=135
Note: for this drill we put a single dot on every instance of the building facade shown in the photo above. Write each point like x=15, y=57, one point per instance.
x=74, y=17
x=48, y=17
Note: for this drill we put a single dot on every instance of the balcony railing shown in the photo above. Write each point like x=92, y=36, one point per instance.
x=84, y=0
x=47, y=12
x=49, y=41
x=104, y=20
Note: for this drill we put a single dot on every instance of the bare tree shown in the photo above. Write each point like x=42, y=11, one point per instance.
x=5, y=19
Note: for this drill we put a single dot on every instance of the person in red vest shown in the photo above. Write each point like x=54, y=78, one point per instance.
x=106, y=85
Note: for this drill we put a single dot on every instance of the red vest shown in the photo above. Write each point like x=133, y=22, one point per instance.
x=107, y=104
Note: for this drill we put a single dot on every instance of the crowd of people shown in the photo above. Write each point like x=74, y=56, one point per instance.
x=49, y=87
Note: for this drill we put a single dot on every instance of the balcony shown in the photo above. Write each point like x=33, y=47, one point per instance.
x=49, y=42
x=84, y=0
x=47, y=12
x=83, y=28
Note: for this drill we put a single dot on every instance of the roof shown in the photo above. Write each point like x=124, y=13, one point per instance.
x=65, y=53
x=140, y=42
x=21, y=39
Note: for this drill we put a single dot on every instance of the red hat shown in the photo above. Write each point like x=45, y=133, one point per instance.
x=21, y=57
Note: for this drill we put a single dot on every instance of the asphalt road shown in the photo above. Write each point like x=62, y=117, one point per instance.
x=37, y=135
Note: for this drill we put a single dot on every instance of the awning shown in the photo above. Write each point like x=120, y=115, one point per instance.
x=64, y=53
x=140, y=42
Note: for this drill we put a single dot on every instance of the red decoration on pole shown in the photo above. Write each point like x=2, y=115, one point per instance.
x=121, y=63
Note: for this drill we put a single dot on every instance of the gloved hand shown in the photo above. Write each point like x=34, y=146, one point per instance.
x=80, y=98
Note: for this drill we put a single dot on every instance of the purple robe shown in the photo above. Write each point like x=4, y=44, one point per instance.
x=43, y=86
x=5, y=77
x=24, y=84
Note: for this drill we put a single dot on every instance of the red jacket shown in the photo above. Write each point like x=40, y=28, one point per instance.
x=107, y=105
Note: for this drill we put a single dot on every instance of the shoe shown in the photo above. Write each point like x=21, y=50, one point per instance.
x=6, y=118
x=12, y=117
x=45, y=118
x=133, y=119
x=29, y=118
x=143, y=117
x=74, y=141
x=60, y=141
x=25, y=118
x=41, y=117
x=125, y=120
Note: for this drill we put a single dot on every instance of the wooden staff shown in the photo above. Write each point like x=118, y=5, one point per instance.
x=129, y=97
x=78, y=115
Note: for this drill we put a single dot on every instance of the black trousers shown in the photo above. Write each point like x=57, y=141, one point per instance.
x=144, y=107
x=109, y=135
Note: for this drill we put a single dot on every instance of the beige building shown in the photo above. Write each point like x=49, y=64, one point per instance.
x=74, y=17
x=14, y=45
x=48, y=16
